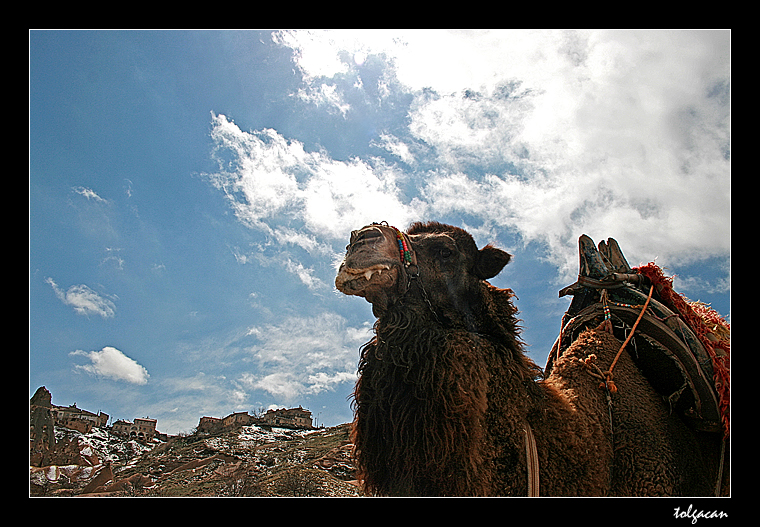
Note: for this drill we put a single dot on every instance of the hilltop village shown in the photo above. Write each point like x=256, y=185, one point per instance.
x=45, y=416
x=297, y=418
x=75, y=452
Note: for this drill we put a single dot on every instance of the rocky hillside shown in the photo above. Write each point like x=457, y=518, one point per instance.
x=248, y=461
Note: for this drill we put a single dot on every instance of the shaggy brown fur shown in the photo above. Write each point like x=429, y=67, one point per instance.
x=445, y=388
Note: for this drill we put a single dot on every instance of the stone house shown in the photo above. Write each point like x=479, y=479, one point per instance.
x=289, y=418
x=143, y=429
x=286, y=418
x=237, y=419
x=213, y=425
x=78, y=419
x=210, y=425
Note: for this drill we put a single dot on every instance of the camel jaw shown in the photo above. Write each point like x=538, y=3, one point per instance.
x=371, y=267
x=365, y=281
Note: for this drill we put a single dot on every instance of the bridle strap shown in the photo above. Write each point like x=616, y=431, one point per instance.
x=531, y=453
x=404, y=248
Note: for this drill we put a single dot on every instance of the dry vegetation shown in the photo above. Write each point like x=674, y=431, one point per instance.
x=245, y=462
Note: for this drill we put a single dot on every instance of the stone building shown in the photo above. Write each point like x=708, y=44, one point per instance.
x=213, y=425
x=210, y=425
x=237, y=419
x=44, y=448
x=143, y=429
x=288, y=418
x=78, y=419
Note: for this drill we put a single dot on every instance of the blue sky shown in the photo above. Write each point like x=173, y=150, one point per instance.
x=191, y=193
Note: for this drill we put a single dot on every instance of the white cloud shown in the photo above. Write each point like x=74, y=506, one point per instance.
x=283, y=260
x=323, y=53
x=306, y=275
x=89, y=194
x=280, y=384
x=325, y=94
x=259, y=171
x=271, y=181
x=396, y=147
x=307, y=241
x=84, y=300
x=612, y=133
x=112, y=259
x=323, y=382
x=113, y=364
x=304, y=355
x=546, y=134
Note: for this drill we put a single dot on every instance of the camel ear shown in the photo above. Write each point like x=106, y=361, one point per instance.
x=489, y=262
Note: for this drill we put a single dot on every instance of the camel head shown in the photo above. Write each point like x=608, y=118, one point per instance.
x=373, y=266
x=433, y=263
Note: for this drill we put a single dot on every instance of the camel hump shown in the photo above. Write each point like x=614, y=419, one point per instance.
x=683, y=360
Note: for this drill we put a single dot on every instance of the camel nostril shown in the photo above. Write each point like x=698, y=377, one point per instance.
x=367, y=235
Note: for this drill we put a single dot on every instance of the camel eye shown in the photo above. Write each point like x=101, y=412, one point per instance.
x=445, y=253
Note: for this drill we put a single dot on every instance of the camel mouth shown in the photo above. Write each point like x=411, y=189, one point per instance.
x=352, y=281
x=373, y=265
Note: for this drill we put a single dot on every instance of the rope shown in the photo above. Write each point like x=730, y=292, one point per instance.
x=609, y=383
x=531, y=453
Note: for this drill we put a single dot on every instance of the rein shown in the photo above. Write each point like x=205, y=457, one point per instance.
x=605, y=377
x=608, y=326
x=406, y=254
x=531, y=454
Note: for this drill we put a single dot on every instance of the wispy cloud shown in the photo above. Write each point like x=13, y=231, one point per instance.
x=623, y=134
x=113, y=259
x=547, y=135
x=528, y=136
x=89, y=194
x=325, y=95
x=304, y=355
x=305, y=275
x=112, y=364
x=84, y=300
x=271, y=181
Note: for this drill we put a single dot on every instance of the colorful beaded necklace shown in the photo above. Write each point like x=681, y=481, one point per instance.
x=403, y=247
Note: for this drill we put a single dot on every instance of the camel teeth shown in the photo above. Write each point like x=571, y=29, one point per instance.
x=369, y=272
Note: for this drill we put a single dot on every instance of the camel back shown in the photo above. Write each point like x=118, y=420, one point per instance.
x=682, y=347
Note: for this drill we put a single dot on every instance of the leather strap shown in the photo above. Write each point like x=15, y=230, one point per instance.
x=531, y=453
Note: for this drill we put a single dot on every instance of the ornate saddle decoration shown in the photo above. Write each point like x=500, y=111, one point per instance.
x=682, y=347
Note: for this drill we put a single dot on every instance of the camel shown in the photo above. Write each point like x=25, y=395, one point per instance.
x=447, y=403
